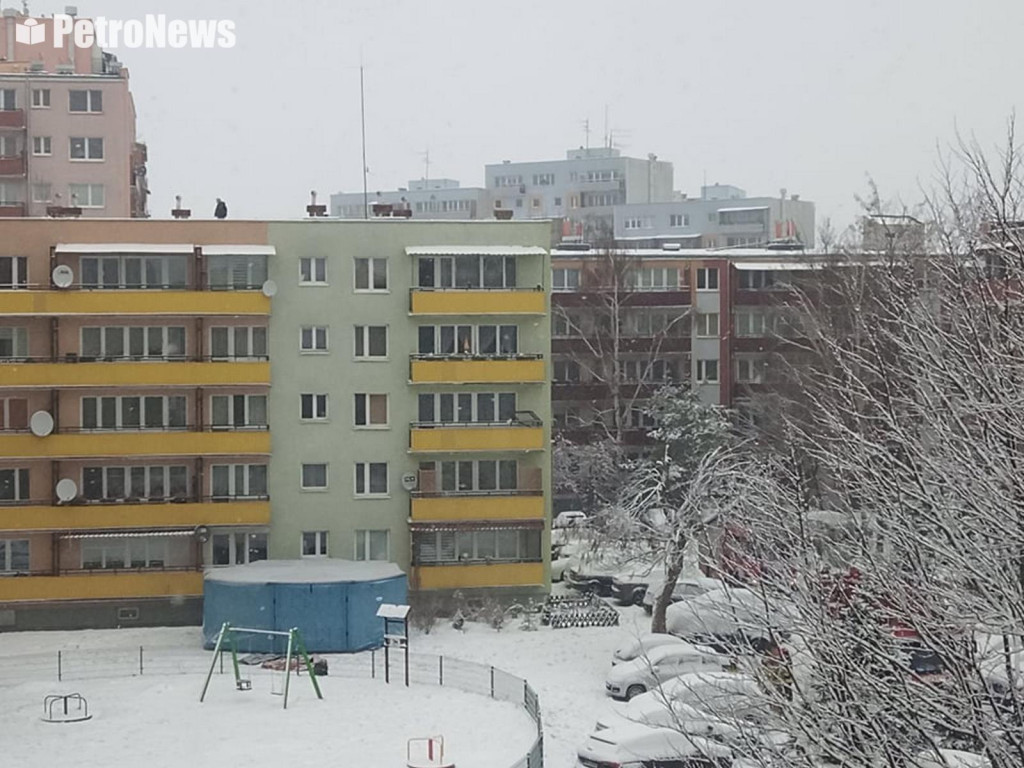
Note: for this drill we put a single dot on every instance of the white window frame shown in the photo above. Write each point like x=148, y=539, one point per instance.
x=371, y=265
x=706, y=325
x=40, y=98
x=90, y=97
x=163, y=331
x=246, y=491
x=37, y=193
x=678, y=220
x=567, y=365
x=561, y=282
x=749, y=370
x=89, y=149
x=19, y=271
x=156, y=552
x=21, y=482
x=653, y=279
x=362, y=544
x=318, y=407
x=362, y=332
x=704, y=275
x=234, y=556
x=92, y=199
x=703, y=370
x=164, y=264
x=752, y=324
x=316, y=332
x=231, y=332
x=363, y=468
x=8, y=99
x=474, y=407
x=7, y=555
x=164, y=426
x=321, y=543
x=315, y=488
x=366, y=410
x=313, y=270
x=42, y=146
x=248, y=402
x=18, y=337
x=9, y=145
x=148, y=472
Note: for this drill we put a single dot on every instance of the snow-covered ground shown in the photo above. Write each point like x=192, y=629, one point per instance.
x=158, y=721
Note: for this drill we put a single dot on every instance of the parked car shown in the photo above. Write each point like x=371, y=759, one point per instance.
x=562, y=558
x=684, y=590
x=570, y=518
x=643, y=645
x=631, y=678
x=643, y=747
x=720, y=693
x=729, y=618
x=629, y=587
x=590, y=576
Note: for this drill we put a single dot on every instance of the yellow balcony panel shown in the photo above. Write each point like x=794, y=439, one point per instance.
x=102, y=586
x=478, y=508
x=477, y=371
x=169, y=302
x=120, y=444
x=476, y=439
x=116, y=516
x=135, y=374
x=470, y=576
x=478, y=303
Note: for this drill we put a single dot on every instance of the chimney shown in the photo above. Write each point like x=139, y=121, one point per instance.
x=313, y=210
x=178, y=212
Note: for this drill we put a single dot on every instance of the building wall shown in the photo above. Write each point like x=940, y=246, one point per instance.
x=449, y=203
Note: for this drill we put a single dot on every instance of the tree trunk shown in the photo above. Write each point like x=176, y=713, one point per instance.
x=664, y=600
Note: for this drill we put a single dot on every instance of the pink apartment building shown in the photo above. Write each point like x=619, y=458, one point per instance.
x=67, y=130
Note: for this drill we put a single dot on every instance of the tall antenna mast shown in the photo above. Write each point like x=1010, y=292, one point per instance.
x=586, y=131
x=426, y=168
x=607, y=138
x=362, y=120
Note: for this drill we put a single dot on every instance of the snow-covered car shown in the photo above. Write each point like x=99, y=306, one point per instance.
x=629, y=587
x=570, y=518
x=562, y=558
x=684, y=590
x=723, y=694
x=631, y=678
x=729, y=618
x=643, y=645
x=638, y=746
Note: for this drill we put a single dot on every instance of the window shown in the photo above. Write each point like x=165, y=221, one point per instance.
x=487, y=545
x=731, y=217
x=313, y=338
x=371, y=478
x=648, y=370
x=14, y=485
x=566, y=371
x=466, y=407
x=707, y=278
x=238, y=342
x=641, y=419
x=41, y=193
x=238, y=411
x=498, y=340
x=42, y=146
x=124, y=553
x=371, y=410
x=678, y=220
x=313, y=407
x=9, y=145
x=14, y=553
x=467, y=271
x=475, y=476
x=558, y=201
x=314, y=543
x=560, y=325
x=13, y=343
x=134, y=272
x=749, y=370
x=706, y=324
x=371, y=274
x=638, y=222
x=87, y=195
x=313, y=270
x=11, y=193
x=752, y=279
x=7, y=100
x=565, y=279
x=86, y=148
x=314, y=477
x=371, y=342
x=85, y=101
x=40, y=98
x=13, y=271
x=750, y=324
x=654, y=278
x=707, y=371
x=508, y=181
x=238, y=481
x=543, y=179
x=134, y=412
x=13, y=413
x=372, y=545
x=236, y=272
x=657, y=322
x=136, y=343
x=148, y=483
x=238, y=548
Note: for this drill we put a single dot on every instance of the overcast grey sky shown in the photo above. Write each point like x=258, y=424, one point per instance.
x=810, y=95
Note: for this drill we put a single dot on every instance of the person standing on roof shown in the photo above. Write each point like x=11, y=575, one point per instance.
x=221, y=211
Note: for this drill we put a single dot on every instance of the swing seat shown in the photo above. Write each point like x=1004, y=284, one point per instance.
x=243, y=684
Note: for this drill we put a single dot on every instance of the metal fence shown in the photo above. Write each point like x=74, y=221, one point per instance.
x=424, y=669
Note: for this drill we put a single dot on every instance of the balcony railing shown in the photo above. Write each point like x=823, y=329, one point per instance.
x=520, y=419
x=12, y=165
x=12, y=118
x=75, y=357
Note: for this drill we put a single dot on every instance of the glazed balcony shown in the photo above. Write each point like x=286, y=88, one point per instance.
x=504, y=301
x=525, y=432
x=525, y=502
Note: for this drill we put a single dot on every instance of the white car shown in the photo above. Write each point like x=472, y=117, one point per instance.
x=631, y=678
x=563, y=556
x=726, y=615
x=570, y=518
x=637, y=746
x=719, y=693
x=684, y=590
x=643, y=645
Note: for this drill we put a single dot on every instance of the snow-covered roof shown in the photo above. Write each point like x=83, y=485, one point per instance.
x=314, y=570
x=162, y=248
x=475, y=250
x=239, y=250
x=746, y=208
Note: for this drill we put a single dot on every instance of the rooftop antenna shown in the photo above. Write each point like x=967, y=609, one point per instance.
x=586, y=131
x=607, y=137
x=362, y=123
x=426, y=168
x=24, y=7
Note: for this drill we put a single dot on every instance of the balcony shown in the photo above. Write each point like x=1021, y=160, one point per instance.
x=67, y=445
x=133, y=302
x=11, y=210
x=12, y=118
x=523, y=433
x=103, y=585
x=497, y=505
x=478, y=302
x=12, y=165
x=521, y=369
x=126, y=373
x=485, y=575
x=131, y=514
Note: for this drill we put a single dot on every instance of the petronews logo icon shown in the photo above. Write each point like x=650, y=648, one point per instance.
x=29, y=32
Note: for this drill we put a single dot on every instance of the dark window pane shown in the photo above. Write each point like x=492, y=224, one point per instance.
x=426, y=340
x=426, y=408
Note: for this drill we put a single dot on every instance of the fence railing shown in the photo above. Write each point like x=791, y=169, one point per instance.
x=424, y=669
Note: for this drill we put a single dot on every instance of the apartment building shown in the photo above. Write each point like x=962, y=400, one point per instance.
x=67, y=131
x=442, y=199
x=722, y=217
x=403, y=377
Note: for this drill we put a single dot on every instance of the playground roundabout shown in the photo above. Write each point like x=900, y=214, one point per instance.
x=157, y=720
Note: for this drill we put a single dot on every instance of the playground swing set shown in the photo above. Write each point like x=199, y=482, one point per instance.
x=227, y=639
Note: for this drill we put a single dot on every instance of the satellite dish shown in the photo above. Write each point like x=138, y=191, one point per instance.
x=409, y=481
x=41, y=423
x=202, y=534
x=63, y=276
x=269, y=288
x=66, y=489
